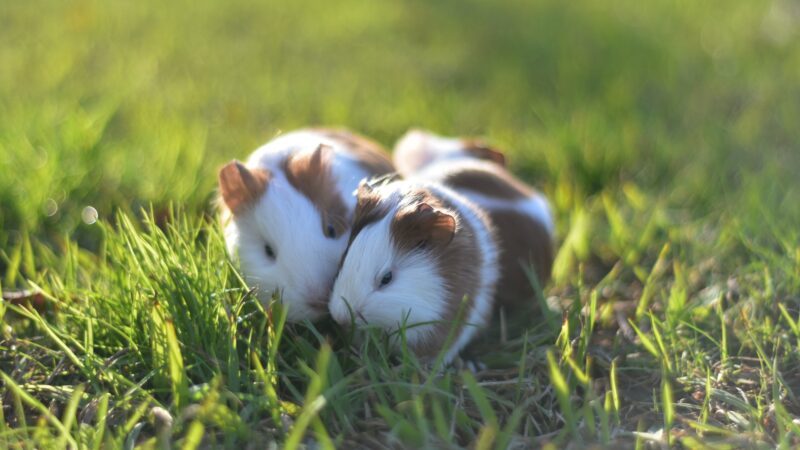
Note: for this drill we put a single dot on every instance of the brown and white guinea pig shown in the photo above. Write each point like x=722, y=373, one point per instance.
x=289, y=209
x=417, y=250
x=521, y=216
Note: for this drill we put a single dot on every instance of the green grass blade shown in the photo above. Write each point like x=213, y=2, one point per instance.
x=314, y=403
x=69, y=416
x=35, y=404
x=562, y=391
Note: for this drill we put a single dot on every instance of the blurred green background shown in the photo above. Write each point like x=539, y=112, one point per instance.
x=123, y=104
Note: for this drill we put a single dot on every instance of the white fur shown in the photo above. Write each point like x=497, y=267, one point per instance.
x=416, y=149
x=417, y=293
x=444, y=156
x=535, y=206
x=306, y=260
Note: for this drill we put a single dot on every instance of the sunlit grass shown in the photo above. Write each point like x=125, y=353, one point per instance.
x=665, y=135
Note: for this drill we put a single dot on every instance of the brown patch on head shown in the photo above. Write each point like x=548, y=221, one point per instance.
x=240, y=187
x=371, y=155
x=480, y=150
x=431, y=225
x=420, y=225
x=310, y=173
x=493, y=183
x=368, y=209
x=524, y=242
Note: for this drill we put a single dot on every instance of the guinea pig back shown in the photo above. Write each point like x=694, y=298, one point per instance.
x=522, y=222
x=520, y=215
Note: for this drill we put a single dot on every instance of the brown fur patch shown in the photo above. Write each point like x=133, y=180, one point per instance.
x=310, y=173
x=368, y=209
x=241, y=187
x=480, y=150
x=496, y=183
x=371, y=155
x=458, y=263
x=422, y=226
x=522, y=241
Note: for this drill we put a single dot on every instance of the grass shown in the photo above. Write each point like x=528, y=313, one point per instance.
x=663, y=132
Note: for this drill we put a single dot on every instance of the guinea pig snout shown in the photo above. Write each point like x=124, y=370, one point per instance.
x=318, y=302
x=344, y=321
x=344, y=314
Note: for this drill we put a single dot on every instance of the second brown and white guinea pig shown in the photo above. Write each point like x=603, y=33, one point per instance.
x=289, y=209
x=417, y=250
x=521, y=216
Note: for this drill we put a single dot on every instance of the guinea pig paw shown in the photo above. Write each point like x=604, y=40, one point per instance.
x=468, y=363
x=475, y=366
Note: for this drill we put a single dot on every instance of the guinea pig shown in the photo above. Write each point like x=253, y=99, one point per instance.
x=521, y=216
x=416, y=252
x=288, y=210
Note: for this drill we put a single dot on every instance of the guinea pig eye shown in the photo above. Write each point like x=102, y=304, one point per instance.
x=270, y=253
x=386, y=278
x=330, y=231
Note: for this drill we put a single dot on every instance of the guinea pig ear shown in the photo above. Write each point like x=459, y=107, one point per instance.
x=423, y=226
x=482, y=151
x=367, y=209
x=364, y=188
x=241, y=187
x=319, y=158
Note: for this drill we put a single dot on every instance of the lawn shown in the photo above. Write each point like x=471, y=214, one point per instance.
x=665, y=134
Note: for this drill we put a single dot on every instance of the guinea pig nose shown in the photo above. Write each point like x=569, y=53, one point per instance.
x=344, y=320
x=342, y=313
